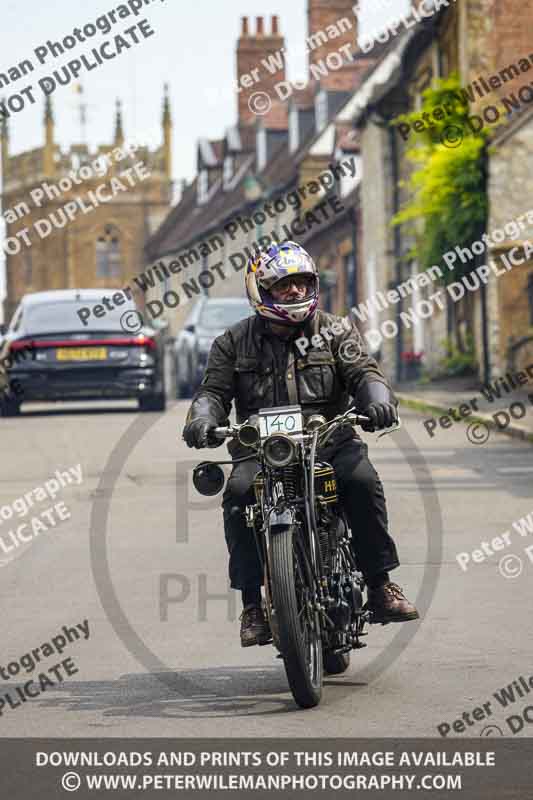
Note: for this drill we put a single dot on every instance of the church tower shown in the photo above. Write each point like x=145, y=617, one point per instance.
x=167, y=135
x=119, y=131
x=67, y=224
x=4, y=143
x=48, y=152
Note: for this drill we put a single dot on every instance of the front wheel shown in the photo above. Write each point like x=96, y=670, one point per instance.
x=297, y=623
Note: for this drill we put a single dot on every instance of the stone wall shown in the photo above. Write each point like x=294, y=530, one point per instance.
x=378, y=263
x=511, y=197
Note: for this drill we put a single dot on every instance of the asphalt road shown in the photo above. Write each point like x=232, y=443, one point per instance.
x=163, y=658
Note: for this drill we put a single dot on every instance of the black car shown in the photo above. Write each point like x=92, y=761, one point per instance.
x=48, y=354
x=210, y=317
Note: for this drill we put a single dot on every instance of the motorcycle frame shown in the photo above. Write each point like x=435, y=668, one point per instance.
x=285, y=516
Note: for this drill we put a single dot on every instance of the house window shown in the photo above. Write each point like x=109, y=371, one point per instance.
x=261, y=149
x=228, y=170
x=321, y=110
x=293, y=130
x=204, y=265
x=203, y=186
x=530, y=296
x=349, y=269
x=108, y=254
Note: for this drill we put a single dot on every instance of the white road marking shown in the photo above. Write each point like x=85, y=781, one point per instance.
x=514, y=470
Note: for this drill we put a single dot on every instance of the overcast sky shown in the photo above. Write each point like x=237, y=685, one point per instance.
x=193, y=50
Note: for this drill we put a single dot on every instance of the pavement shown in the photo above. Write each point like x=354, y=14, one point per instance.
x=142, y=559
x=463, y=401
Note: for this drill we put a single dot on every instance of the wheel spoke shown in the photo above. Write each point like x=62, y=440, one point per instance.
x=294, y=598
x=306, y=624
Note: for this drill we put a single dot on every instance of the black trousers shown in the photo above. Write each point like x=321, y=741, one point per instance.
x=360, y=493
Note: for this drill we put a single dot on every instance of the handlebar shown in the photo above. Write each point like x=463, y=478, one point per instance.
x=223, y=433
x=232, y=431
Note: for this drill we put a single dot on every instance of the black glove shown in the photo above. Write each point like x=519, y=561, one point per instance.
x=196, y=433
x=376, y=402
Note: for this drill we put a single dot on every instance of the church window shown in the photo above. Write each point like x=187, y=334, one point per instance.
x=108, y=254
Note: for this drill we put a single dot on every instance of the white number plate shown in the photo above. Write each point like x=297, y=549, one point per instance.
x=285, y=419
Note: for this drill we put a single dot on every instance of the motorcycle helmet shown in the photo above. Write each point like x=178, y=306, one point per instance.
x=265, y=268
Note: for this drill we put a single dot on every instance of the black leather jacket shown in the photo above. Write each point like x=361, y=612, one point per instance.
x=242, y=366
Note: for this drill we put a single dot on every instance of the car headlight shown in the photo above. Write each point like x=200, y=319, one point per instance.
x=279, y=450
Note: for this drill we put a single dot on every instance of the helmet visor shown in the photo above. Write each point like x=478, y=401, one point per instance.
x=293, y=287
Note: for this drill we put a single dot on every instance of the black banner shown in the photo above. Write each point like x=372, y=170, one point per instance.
x=499, y=769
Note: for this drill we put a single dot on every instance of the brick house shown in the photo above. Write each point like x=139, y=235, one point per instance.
x=476, y=38
x=268, y=158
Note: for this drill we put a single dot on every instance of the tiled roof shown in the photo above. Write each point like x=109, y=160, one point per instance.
x=188, y=223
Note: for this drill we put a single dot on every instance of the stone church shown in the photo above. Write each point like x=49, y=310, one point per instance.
x=80, y=219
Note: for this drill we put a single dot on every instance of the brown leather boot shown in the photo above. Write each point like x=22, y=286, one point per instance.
x=254, y=627
x=389, y=604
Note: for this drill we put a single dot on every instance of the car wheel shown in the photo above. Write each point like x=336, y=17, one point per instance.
x=9, y=407
x=153, y=402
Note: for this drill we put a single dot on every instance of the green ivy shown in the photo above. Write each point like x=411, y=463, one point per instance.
x=448, y=199
x=458, y=363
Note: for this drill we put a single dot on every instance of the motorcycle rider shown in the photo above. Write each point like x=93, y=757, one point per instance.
x=257, y=363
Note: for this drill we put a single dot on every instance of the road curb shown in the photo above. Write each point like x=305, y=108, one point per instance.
x=418, y=404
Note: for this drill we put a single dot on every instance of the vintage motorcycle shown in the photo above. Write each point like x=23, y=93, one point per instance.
x=313, y=589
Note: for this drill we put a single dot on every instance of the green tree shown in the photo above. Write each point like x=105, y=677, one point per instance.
x=447, y=186
x=447, y=205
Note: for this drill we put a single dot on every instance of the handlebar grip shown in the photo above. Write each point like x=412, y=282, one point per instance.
x=357, y=419
x=219, y=433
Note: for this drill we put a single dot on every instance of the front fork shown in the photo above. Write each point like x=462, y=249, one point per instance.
x=284, y=517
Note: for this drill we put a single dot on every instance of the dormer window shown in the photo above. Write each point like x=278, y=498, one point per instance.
x=293, y=130
x=321, y=110
x=203, y=186
x=229, y=165
x=261, y=149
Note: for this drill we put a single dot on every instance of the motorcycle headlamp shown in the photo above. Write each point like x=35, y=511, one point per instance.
x=249, y=435
x=279, y=450
x=208, y=478
x=315, y=421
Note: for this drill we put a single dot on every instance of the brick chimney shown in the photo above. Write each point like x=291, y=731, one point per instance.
x=324, y=19
x=498, y=35
x=260, y=52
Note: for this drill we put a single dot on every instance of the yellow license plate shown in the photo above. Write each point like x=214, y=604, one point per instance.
x=81, y=354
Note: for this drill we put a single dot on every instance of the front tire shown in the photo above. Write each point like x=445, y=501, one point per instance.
x=300, y=640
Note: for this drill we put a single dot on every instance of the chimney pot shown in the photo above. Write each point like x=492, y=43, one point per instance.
x=275, y=26
x=260, y=29
x=244, y=31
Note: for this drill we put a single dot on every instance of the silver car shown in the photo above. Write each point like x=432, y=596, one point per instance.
x=209, y=318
